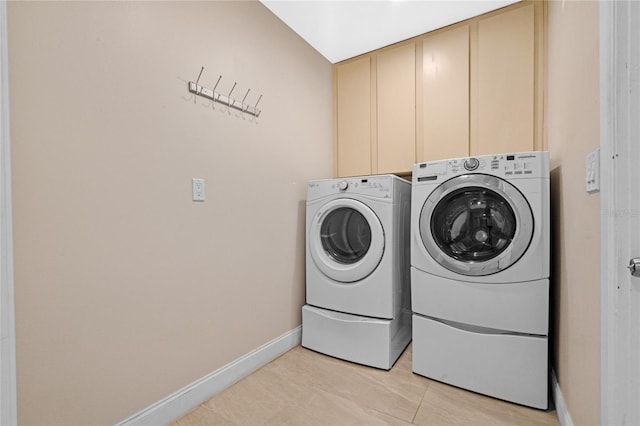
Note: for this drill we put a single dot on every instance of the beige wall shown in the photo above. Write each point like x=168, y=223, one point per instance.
x=126, y=290
x=572, y=132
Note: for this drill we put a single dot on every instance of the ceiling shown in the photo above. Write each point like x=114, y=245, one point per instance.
x=342, y=29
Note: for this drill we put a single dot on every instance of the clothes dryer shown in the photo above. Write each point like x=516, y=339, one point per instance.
x=480, y=274
x=357, y=269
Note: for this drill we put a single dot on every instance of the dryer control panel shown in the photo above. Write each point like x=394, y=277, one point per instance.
x=372, y=186
x=517, y=165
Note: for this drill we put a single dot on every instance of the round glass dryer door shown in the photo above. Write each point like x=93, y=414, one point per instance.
x=346, y=240
x=476, y=224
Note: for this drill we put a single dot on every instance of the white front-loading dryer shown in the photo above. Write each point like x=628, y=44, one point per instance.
x=357, y=268
x=480, y=274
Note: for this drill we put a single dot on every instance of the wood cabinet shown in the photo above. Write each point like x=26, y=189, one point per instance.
x=444, y=118
x=375, y=113
x=473, y=88
x=353, y=118
x=503, y=106
x=396, y=110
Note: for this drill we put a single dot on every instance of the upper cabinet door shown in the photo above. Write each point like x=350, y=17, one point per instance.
x=443, y=126
x=396, y=109
x=353, y=117
x=503, y=108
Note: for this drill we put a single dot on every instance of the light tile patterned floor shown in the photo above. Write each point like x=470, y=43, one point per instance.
x=303, y=387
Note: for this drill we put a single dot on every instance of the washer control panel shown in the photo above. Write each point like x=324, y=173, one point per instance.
x=517, y=165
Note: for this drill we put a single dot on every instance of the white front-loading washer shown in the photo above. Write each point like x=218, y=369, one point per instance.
x=357, y=269
x=480, y=274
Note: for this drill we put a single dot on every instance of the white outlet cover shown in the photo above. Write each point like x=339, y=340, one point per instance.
x=593, y=171
x=197, y=189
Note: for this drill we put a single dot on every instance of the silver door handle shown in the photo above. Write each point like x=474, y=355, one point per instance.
x=634, y=266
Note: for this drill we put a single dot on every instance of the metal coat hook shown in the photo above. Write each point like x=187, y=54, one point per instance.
x=197, y=80
x=243, y=99
x=217, y=82
x=229, y=95
x=224, y=99
x=199, y=75
x=245, y=96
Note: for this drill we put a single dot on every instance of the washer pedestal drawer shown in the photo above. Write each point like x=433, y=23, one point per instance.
x=512, y=367
x=369, y=341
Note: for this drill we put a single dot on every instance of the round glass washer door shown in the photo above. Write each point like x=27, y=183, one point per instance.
x=476, y=224
x=346, y=240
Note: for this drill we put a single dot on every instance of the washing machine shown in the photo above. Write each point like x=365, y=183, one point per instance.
x=480, y=255
x=358, y=302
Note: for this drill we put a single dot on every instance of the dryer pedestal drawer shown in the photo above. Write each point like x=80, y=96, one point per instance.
x=506, y=366
x=369, y=341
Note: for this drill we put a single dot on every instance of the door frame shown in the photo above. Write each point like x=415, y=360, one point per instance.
x=8, y=391
x=615, y=106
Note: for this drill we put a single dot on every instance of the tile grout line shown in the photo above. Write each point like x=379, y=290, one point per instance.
x=420, y=405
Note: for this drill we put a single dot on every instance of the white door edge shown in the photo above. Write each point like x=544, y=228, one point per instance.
x=8, y=393
x=607, y=223
x=618, y=49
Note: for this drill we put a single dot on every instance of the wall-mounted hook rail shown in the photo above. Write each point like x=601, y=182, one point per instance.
x=224, y=99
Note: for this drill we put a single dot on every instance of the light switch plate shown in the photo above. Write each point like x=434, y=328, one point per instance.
x=593, y=171
x=197, y=189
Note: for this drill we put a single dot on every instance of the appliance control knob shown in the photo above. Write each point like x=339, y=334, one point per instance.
x=471, y=164
x=342, y=185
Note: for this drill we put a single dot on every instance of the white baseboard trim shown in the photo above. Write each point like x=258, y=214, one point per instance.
x=561, y=407
x=189, y=397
